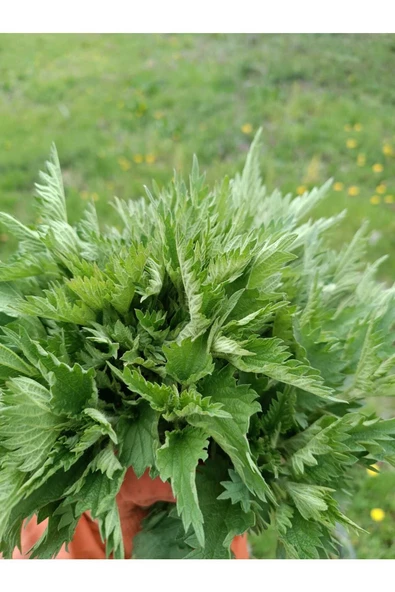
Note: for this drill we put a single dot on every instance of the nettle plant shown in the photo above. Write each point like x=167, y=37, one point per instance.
x=216, y=340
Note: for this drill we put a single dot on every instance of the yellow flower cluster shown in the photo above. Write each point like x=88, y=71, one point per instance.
x=376, y=199
x=353, y=190
x=126, y=165
x=377, y=514
x=351, y=143
x=357, y=127
x=380, y=190
x=246, y=128
x=377, y=168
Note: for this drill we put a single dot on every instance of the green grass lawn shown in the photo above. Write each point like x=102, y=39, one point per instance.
x=124, y=109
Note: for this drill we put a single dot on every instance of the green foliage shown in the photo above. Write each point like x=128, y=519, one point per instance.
x=215, y=339
x=177, y=460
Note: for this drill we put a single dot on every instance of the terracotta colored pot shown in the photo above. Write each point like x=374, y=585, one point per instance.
x=133, y=499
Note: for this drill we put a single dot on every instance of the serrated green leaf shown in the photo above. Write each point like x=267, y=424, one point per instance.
x=222, y=519
x=309, y=499
x=8, y=295
x=60, y=529
x=139, y=439
x=236, y=491
x=159, y=396
x=270, y=357
x=162, y=537
x=188, y=361
x=231, y=434
x=72, y=389
x=303, y=539
x=111, y=531
x=28, y=428
x=50, y=192
x=12, y=365
x=106, y=462
x=177, y=460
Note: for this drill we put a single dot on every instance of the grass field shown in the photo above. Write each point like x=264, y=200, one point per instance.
x=124, y=109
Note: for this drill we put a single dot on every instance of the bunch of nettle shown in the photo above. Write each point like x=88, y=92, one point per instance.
x=215, y=339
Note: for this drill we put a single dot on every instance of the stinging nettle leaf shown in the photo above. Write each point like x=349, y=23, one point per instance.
x=177, y=460
x=72, y=389
x=139, y=439
x=12, y=365
x=188, y=361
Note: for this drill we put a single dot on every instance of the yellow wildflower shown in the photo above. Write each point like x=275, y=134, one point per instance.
x=347, y=127
x=389, y=199
x=387, y=150
x=301, y=189
x=377, y=514
x=381, y=188
x=246, y=128
x=373, y=473
x=353, y=190
x=138, y=158
x=375, y=200
x=158, y=115
x=377, y=168
x=361, y=160
x=351, y=143
x=124, y=163
x=338, y=186
x=357, y=127
x=150, y=158
x=95, y=197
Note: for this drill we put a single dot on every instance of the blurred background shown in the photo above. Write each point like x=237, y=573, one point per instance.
x=126, y=109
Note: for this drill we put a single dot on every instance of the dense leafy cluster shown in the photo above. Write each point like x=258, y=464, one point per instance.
x=217, y=340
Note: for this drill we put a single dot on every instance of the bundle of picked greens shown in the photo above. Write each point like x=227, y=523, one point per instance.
x=215, y=339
